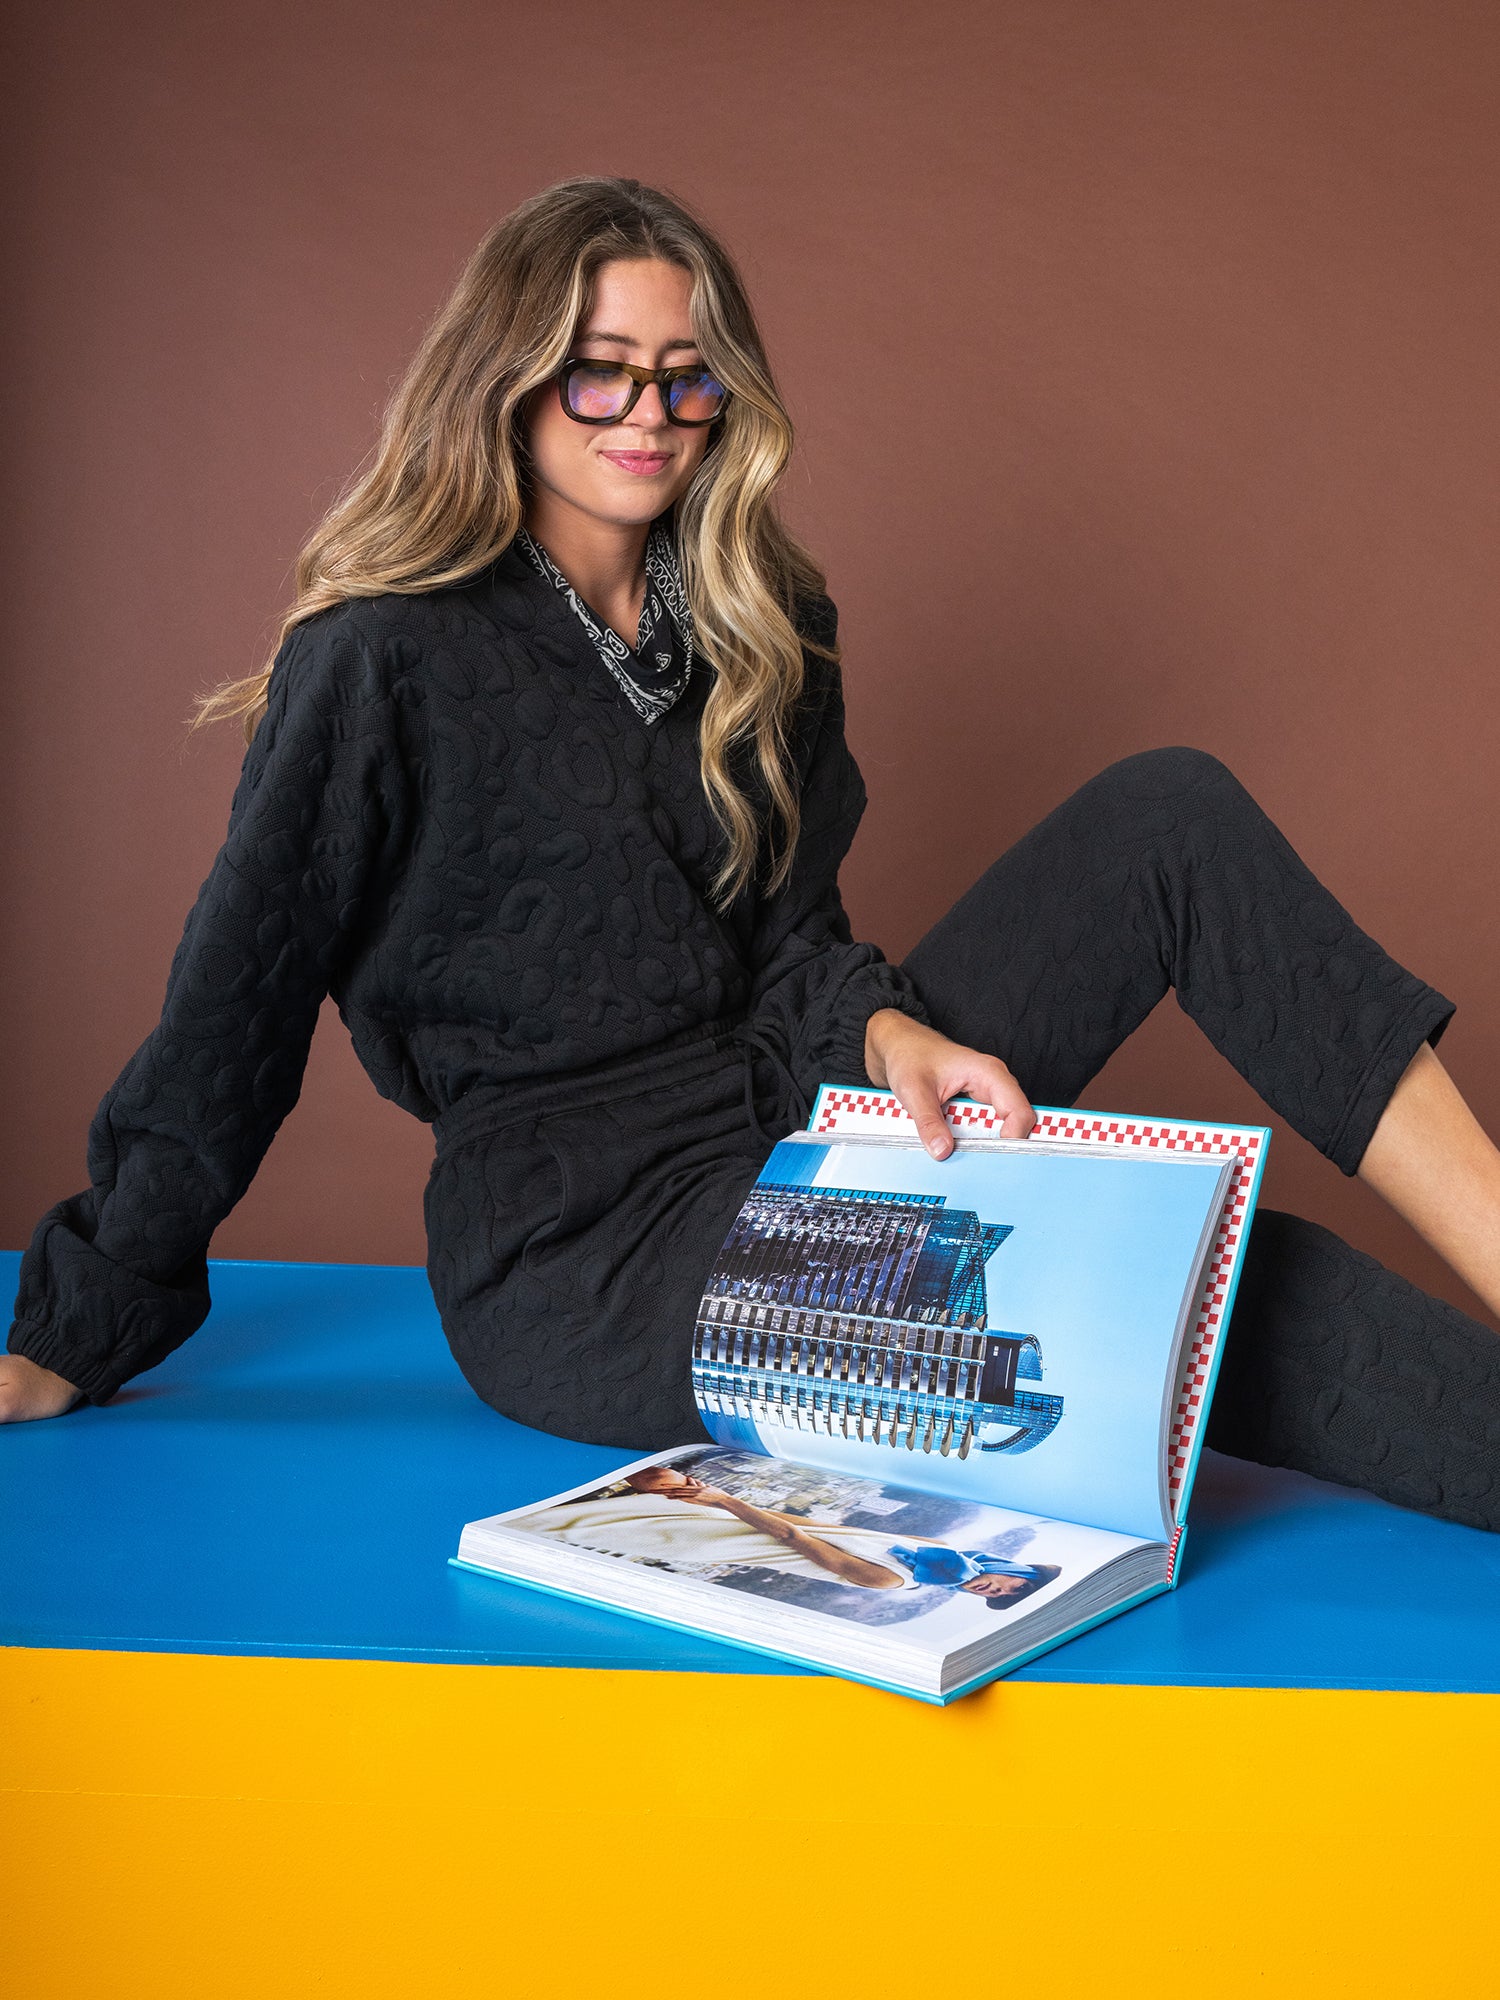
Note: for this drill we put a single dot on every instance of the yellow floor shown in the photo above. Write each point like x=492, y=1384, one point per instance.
x=178, y=1826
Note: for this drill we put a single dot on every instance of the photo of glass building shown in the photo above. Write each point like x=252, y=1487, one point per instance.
x=866, y=1314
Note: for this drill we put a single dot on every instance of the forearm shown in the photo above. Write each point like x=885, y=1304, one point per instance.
x=781, y=1526
x=117, y=1276
x=827, y=1555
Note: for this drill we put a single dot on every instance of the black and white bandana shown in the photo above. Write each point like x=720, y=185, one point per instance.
x=653, y=676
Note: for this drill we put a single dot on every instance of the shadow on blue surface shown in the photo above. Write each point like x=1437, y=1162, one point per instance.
x=294, y=1479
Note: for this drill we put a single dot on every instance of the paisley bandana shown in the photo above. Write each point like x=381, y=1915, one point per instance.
x=653, y=675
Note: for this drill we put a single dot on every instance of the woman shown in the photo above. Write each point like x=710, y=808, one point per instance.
x=703, y=1527
x=548, y=786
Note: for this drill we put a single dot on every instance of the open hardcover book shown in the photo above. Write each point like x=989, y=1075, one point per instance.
x=956, y=1406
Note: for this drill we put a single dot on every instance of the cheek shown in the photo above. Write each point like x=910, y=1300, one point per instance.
x=688, y=464
x=553, y=443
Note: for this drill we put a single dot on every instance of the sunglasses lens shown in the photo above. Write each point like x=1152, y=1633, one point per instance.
x=697, y=398
x=596, y=393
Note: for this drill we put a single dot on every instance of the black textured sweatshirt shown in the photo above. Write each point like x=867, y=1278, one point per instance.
x=452, y=821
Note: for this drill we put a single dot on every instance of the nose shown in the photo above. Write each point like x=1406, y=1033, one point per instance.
x=650, y=411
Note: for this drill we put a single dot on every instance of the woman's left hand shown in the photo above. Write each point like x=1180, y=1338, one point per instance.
x=925, y=1070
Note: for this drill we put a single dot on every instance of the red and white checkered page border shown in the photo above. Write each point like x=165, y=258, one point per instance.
x=852, y=1111
x=1172, y=1551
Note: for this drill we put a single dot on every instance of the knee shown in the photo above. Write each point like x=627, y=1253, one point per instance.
x=1178, y=787
x=1173, y=772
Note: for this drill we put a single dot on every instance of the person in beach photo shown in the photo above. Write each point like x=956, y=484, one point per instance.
x=547, y=785
x=667, y=1515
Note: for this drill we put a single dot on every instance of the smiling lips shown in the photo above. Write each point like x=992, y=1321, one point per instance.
x=642, y=463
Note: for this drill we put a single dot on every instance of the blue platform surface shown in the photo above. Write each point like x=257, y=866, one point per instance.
x=294, y=1480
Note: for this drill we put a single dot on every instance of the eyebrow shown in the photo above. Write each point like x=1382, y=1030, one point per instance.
x=626, y=340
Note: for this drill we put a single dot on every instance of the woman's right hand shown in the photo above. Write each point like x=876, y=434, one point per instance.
x=28, y=1391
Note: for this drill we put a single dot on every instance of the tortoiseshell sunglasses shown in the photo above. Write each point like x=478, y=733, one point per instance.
x=604, y=392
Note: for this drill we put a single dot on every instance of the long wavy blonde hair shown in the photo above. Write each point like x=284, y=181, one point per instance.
x=445, y=491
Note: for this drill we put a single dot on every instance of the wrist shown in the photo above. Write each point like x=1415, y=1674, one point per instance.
x=880, y=1030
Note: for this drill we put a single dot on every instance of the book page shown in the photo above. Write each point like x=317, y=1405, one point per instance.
x=1003, y=1326
x=863, y=1111
x=879, y=1566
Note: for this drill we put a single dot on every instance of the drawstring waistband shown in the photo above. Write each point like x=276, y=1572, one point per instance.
x=488, y=1108
x=759, y=1040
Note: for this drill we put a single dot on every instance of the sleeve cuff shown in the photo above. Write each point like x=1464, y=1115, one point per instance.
x=49, y=1348
x=868, y=990
x=92, y=1320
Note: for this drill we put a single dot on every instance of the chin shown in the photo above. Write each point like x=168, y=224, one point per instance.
x=631, y=509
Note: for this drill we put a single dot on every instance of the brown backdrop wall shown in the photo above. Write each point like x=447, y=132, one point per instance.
x=1143, y=359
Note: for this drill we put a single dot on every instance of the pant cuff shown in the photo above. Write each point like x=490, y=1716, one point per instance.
x=1424, y=1021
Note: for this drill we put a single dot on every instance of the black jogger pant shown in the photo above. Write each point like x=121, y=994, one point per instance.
x=571, y=1230
x=1163, y=872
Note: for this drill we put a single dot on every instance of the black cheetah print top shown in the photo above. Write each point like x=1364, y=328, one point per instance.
x=452, y=821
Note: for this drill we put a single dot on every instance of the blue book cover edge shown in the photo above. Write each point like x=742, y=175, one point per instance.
x=800, y=1660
